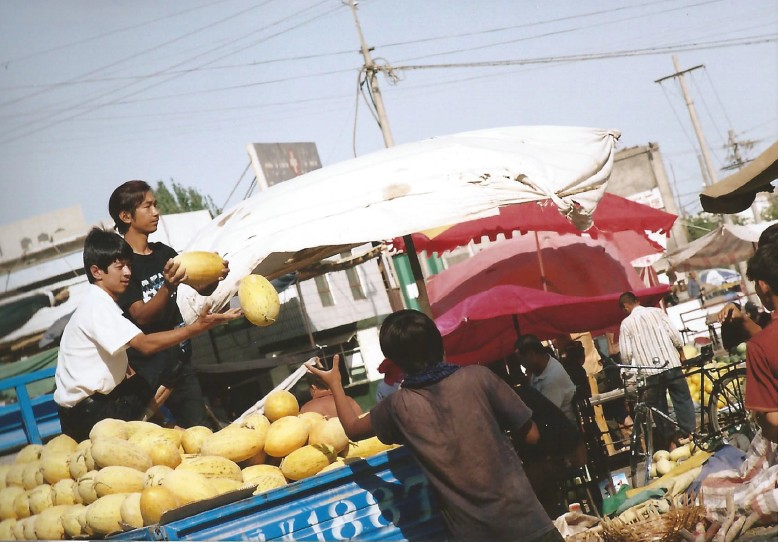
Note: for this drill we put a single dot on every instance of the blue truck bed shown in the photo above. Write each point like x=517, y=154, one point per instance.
x=384, y=497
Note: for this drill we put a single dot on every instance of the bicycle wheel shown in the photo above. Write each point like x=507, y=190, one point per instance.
x=727, y=415
x=641, y=449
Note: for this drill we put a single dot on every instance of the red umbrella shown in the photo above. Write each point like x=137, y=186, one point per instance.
x=484, y=327
x=571, y=285
x=613, y=214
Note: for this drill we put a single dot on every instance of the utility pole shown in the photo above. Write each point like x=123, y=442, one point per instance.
x=706, y=158
x=737, y=162
x=712, y=178
x=371, y=73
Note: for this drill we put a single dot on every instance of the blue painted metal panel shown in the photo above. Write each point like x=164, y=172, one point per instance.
x=28, y=421
x=385, y=497
x=144, y=533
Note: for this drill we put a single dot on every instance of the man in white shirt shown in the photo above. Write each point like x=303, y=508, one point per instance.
x=647, y=338
x=93, y=378
x=547, y=375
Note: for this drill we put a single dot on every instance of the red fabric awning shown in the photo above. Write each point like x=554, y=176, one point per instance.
x=612, y=214
x=481, y=329
x=474, y=302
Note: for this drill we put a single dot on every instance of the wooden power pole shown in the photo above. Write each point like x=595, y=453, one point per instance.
x=371, y=74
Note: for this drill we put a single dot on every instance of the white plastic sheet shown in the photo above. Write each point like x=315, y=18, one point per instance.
x=406, y=189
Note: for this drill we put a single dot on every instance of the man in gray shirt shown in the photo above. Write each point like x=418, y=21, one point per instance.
x=547, y=375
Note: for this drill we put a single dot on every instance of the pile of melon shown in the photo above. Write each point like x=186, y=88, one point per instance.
x=127, y=474
x=716, y=369
x=664, y=461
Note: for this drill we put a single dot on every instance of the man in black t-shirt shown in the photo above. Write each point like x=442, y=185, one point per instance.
x=150, y=301
x=560, y=448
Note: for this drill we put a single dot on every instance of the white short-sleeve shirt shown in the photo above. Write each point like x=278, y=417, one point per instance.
x=93, y=350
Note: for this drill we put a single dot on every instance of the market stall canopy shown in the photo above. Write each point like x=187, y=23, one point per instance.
x=571, y=285
x=728, y=244
x=402, y=190
x=613, y=214
x=737, y=192
x=481, y=329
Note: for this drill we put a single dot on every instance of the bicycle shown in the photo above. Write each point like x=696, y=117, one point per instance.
x=726, y=414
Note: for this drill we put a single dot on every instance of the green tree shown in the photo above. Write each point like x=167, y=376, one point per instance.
x=699, y=225
x=182, y=199
x=771, y=212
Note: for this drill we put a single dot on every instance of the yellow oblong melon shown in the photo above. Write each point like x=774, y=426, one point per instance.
x=70, y=521
x=202, y=268
x=109, y=427
x=256, y=471
x=31, y=452
x=6, y=529
x=367, y=447
x=213, y=466
x=307, y=461
x=280, y=403
x=7, y=497
x=285, y=435
x=55, y=466
x=112, y=451
x=65, y=492
x=118, y=479
x=188, y=486
x=329, y=432
x=41, y=498
x=155, y=474
x=233, y=442
x=48, y=524
x=104, y=515
x=155, y=501
x=32, y=474
x=130, y=511
x=193, y=438
x=258, y=300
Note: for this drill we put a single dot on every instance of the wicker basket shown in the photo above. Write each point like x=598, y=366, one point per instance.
x=651, y=526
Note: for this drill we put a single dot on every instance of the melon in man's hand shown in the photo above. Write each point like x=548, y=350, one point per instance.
x=202, y=268
x=258, y=300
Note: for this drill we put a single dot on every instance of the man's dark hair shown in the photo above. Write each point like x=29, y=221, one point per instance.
x=627, y=298
x=102, y=248
x=411, y=340
x=769, y=236
x=314, y=380
x=763, y=265
x=126, y=197
x=529, y=343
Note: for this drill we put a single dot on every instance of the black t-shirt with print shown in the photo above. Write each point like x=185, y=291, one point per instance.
x=146, y=280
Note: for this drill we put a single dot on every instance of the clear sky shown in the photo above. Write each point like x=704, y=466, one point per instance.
x=95, y=92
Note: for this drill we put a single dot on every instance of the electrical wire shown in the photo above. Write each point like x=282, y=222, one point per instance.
x=663, y=50
x=8, y=62
x=236, y=185
x=718, y=98
x=134, y=55
x=563, y=31
x=717, y=129
x=13, y=137
x=678, y=118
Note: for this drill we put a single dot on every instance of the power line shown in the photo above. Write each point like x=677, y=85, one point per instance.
x=30, y=131
x=662, y=50
x=134, y=55
x=564, y=31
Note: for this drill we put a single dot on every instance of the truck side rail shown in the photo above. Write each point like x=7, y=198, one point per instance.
x=28, y=420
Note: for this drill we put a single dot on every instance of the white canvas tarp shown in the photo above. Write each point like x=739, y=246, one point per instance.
x=406, y=189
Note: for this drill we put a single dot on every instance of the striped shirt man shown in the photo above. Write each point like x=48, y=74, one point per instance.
x=647, y=333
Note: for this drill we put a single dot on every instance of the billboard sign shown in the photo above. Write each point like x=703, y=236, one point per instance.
x=274, y=163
